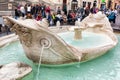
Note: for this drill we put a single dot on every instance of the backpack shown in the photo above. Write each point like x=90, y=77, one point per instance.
x=111, y=16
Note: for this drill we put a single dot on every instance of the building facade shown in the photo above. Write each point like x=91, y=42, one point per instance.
x=7, y=7
x=110, y=4
x=73, y=4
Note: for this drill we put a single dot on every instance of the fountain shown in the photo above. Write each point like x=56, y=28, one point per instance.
x=92, y=38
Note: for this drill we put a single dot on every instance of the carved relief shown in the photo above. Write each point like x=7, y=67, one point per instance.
x=45, y=42
x=24, y=34
x=8, y=23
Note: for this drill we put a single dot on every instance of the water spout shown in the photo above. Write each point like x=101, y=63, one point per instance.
x=78, y=34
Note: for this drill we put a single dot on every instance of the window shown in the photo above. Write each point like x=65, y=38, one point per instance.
x=74, y=4
x=109, y=4
x=89, y=5
x=84, y=4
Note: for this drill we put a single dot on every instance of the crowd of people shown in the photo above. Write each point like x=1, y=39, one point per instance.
x=40, y=11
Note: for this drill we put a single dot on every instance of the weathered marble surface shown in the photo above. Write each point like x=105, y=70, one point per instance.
x=34, y=36
x=99, y=24
x=14, y=71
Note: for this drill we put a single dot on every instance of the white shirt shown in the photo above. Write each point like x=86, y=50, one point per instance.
x=29, y=8
x=22, y=9
x=59, y=16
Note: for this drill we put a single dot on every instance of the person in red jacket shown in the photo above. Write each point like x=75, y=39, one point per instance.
x=39, y=17
x=47, y=9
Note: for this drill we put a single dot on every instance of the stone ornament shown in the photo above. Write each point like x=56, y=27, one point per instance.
x=34, y=36
x=14, y=71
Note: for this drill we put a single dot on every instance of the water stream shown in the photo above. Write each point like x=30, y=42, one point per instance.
x=38, y=69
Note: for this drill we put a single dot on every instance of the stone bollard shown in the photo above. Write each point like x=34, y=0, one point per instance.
x=78, y=34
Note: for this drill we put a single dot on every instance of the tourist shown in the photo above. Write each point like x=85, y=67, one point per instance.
x=69, y=17
x=29, y=8
x=73, y=16
x=64, y=18
x=118, y=15
x=22, y=9
x=58, y=10
x=87, y=11
x=118, y=8
x=33, y=11
x=53, y=15
x=81, y=11
x=17, y=14
x=39, y=7
x=25, y=7
x=36, y=9
x=78, y=16
x=112, y=16
x=48, y=17
x=47, y=9
x=43, y=10
x=58, y=17
x=0, y=28
x=39, y=17
x=29, y=16
x=108, y=11
x=65, y=8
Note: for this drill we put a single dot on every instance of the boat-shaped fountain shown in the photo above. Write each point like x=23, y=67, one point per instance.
x=91, y=38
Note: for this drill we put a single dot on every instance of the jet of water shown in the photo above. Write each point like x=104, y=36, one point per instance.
x=38, y=69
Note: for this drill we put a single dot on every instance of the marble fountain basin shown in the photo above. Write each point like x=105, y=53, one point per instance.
x=53, y=48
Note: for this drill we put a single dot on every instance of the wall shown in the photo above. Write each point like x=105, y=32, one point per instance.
x=92, y=1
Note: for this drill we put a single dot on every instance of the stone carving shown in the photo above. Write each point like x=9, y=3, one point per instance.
x=14, y=71
x=24, y=33
x=45, y=42
x=34, y=36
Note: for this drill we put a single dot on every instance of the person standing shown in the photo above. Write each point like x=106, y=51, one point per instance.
x=118, y=8
x=65, y=9
x=112, y=16
x=29, y=8
x=22, y=9
x=33, y=11
x=43, y=10
x=17, y=15
x=118, y=15
x=58, y=10
x=47, y=9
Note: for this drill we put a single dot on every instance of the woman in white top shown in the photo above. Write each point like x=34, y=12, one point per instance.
x=28, y=9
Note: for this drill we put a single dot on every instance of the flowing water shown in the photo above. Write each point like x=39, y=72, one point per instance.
x=106, y=67
x=38, y=70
